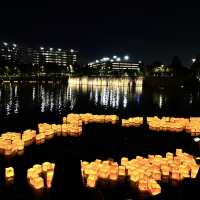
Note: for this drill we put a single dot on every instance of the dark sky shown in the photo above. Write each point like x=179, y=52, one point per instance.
x=146, y=30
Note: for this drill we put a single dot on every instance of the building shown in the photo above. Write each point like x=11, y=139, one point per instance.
x=10, y=53
x=115, y=64
x=44, y=56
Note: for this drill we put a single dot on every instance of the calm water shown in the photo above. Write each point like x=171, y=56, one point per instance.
x=24, y=105
x=124, y=97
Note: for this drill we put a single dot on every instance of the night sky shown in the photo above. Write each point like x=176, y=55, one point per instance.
x=146, y=30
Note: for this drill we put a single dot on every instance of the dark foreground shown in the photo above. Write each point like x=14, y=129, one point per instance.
x=103, y=142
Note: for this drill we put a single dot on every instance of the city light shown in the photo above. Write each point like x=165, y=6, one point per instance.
x=126, y=57
x=197, y=139
x=59, y=49
x=106, y=59
x=41, y=48
x=72, y=50
x=14, y=45
x=51, y=49
x=116, y=62
x=193, y=60
x=5, y=43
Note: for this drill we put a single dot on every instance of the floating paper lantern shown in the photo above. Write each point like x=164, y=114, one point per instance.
x=49, y=176
x=124, y=161
x=37, y=183
x=28, y=137
x=194, y=170
x=9, y=174
x=122, y=171
x=91, y=181
x=40, y=138
x=57, y=129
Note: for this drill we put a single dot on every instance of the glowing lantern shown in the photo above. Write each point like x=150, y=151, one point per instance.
x=9, y=174
x=40, y=138
x=156, y=175
x=91, y=181
x=143, y=185
x=49, y=178
x=38, y=183
x=124, y=161
x=122, y=171
x=194, y=171
x=175, y=175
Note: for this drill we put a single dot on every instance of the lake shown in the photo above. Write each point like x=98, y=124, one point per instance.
x=24, y=105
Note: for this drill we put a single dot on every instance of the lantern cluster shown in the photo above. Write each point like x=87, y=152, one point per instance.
x=12, y=143
x=28, y=137
x=72, y=125
x=142, y=172
x=190, y=125
x=194, y=126
x=167, y=124
x=98, y=169
x=41, y=176
x=45, y=132
x=90, y=118
x=132, y=121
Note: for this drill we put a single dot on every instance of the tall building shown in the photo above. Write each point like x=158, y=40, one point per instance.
x=43, y=56
x=115, y=64
x=10, y=53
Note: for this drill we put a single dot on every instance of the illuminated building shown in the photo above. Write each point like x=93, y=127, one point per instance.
x=9, y=53
x=60, y=57
x=116, y=64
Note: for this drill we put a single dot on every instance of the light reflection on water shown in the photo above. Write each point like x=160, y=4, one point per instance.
x=92, y=94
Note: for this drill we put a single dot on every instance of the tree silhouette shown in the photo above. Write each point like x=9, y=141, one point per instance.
x=176, y=65
x=195, y=67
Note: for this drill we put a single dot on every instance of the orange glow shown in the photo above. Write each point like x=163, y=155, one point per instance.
x=37, y=172
x=144, y=172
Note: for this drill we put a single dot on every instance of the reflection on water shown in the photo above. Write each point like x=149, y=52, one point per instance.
x=9, y=99
x=104, y=91
x=94, y=95
x=160, y=99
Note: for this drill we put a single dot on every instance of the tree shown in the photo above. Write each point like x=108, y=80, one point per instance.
x=151, y=69
x=195, y=67
x=176, y=65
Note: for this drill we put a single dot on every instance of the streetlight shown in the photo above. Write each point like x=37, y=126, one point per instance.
x=115, y=57
x=193, y=60
x=126, y=57
x=118, y=59
x=106, y=59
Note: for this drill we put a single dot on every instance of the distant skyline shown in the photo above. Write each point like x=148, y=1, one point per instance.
x=147, y=31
